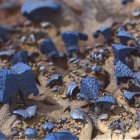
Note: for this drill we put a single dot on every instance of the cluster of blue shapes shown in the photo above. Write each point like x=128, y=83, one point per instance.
x=71, y=40
x=18, y=78
x=124, y=36
x=105, y=31
x=21, y=56
x=90, y=88
x=48, y=47
x=61, y=136
x=36, y=10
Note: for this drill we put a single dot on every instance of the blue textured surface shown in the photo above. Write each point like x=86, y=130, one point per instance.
x=124, y=36
x=129, y=95
x=107, y=101
x=30, y=133
x=105, y=31
x=55, y=79
x=48, y=126
x=48, y=47
x=138, y=114
x=122, y=71
x=72, y=87
x=29, y=112
x=121, y=51
x=61, y=136
x=25, y=79
x=90, y=88
x=78, y=114
x=4, y=33
x=39, y=10
x=19, y=78
x=2, y=136
x=71, y=42
x=21, y=56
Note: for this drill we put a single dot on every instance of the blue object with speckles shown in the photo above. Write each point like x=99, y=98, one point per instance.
x=122, y=72
x=107, y=101
x=30, y=133
x=105, y=31
x=19, y=78
x=90, y=88
x=71, y=40
x=25, y=80
x=121, y=51
x=61, y=136
x=21, y=56
x=124, y=36
x=48, y=47
x=55, y=79
x=129, y=95
x=72, y=87
x=48, y=126
x=40, y=10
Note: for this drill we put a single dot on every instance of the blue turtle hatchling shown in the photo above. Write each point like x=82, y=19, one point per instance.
x=21, y=56
x=71, y=40
x=55, y=79
x=124, y=36
x=61, y=136
x=105, y=31
x=40, y=10
x=106, y=101
x=90, y=88
x=30, y=133
x=48, y=47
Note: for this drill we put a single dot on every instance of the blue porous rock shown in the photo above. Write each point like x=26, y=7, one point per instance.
x=122, y=51
x=122, y=72
x=55, y=79
x=29, y=112
x=72, y=88
x=40, y=10
x=25, y=79
x=90, y=88
x=21, y=56
x=106, y=101
x=124, y=36
x=71, y=40
x=130, y=95
x=105, y=31
x=125, y=2
x=61, y=136
x=48, y=47
x=48, y=126
x=30, y=133
x=78, y=114
x=8, y=88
